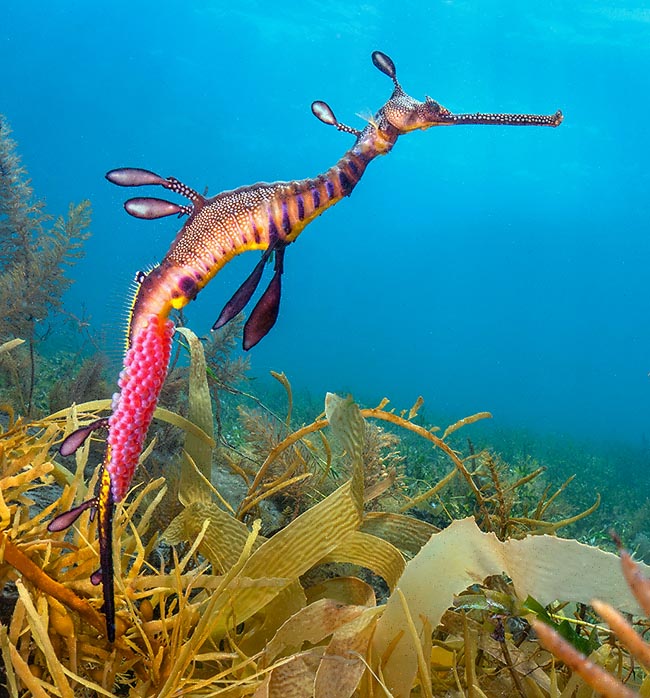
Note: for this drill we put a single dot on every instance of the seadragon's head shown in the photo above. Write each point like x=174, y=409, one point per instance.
x=402, y=114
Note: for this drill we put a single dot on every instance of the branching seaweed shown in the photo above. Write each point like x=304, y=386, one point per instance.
x=34, y=257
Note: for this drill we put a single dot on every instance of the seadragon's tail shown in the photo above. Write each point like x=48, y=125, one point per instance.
x=145, y=368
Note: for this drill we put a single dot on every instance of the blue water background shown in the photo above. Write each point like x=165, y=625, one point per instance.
x=484, y=268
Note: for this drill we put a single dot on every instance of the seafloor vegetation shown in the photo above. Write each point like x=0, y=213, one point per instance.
x=276, y=547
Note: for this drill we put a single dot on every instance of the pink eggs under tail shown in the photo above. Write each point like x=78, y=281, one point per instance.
x=145, y=369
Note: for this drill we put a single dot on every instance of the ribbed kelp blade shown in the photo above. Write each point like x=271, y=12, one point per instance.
x=369, y=547
x=293, y=678
x=192, y=488
x=406, y=533
x=311, y=624
x=222, y=542
x=348, y=426
x=371, y=552
x=292, y=551
x=286, y=604
x=351, y=591
x=350, y=628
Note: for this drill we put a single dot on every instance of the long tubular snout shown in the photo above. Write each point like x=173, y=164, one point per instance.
x=552, y=120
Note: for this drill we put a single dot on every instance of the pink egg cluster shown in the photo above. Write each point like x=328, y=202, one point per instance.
x=145, y=368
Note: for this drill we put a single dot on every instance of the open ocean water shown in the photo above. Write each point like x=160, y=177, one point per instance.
x=485, y=268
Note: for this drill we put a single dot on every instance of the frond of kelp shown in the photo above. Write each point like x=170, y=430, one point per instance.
x=543, y=567
x=593, y=672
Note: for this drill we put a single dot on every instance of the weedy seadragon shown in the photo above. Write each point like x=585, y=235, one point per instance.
x=267, y=217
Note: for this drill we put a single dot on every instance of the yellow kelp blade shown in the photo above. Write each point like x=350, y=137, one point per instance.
x=374, y=553
x=334, y=673
x=191, y=487
x=312, y=625
x=336, y=678
x=222, y=542
x=291, y=552
x=404, y=532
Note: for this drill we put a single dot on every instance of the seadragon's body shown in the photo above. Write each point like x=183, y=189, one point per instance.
x=266, y=217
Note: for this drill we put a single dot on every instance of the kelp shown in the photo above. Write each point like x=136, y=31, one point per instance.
x=589, y=669
x=227, y=611
x=543, y=567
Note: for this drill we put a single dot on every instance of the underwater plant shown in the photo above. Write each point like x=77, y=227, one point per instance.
x=87, y=381
x=34, y=258
x=592, y=673
x=227, y=611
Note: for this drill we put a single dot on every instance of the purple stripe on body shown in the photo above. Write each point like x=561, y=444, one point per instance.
x=273, y=228
x=286, y=223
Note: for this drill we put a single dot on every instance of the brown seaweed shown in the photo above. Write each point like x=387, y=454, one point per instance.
x=34, y=257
